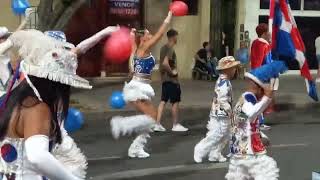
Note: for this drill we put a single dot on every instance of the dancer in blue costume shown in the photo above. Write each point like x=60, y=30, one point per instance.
x=138, y=92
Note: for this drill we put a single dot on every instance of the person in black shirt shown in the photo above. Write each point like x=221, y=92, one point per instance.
x=203, y=57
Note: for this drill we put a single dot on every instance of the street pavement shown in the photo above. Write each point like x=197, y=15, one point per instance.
x=294, y=135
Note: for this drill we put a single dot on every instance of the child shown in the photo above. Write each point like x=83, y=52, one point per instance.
x=249, y=158
x=220, y=115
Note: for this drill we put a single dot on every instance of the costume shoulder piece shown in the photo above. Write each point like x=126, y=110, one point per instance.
x=250, y=98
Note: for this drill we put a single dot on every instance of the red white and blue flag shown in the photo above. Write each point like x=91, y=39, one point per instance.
x=287, y=41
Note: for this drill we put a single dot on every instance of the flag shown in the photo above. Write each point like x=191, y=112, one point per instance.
x=287, y=41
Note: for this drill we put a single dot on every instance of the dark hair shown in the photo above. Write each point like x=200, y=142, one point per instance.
x=51, y=93
x=204, y=44
x=171, y=33
x=262, y=28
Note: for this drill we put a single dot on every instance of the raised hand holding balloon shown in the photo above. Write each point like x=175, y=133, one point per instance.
x=19, y=6
x=118, y=47
x=116, y=100
x=179, y=8
x=74, y=120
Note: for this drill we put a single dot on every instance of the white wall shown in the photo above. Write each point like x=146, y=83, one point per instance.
x=193, y=30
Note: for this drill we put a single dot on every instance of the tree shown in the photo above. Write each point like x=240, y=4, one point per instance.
x=55, y=14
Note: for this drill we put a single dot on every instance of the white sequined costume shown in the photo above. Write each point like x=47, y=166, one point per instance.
x=219, y=124
x=249, y=158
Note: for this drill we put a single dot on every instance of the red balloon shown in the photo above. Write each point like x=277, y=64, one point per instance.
x=179, y=8
x=118, y=47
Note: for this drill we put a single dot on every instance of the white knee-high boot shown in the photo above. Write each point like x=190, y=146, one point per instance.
x=121, y=126
x=136, y=149
x=218, y=128
x=141, y=125
x=215, y=154
x=203, y=148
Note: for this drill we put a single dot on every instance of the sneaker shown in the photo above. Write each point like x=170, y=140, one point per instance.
x=138, y=154
x=179, y=128
x=159, y=128
x=264, y=127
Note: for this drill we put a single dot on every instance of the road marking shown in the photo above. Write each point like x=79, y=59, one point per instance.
x=105, y=158
x=168, y=169
x=289, y=145
x=160, y=170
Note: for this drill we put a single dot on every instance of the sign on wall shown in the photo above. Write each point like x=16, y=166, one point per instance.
x=127, y=8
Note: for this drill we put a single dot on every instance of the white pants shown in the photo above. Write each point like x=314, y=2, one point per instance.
x=216, y=138
x=261, y=167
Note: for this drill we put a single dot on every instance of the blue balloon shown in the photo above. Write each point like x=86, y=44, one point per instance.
x=116, y=100
x=74, y=120
x=19, y=6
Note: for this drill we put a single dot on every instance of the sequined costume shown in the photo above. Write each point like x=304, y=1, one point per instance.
x=249, y=158
x=138, y=88
x=219, y=124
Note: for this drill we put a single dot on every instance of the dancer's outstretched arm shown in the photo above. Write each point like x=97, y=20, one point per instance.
x=85, y=45
x=23, y=24
x=159, y=34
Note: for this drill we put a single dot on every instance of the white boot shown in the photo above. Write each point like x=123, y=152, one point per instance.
x=216, y=157
x=136, y=149
x=215, y=154
x=132, y=124
x=202, y=149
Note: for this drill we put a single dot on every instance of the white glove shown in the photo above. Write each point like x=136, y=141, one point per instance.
x=37, y=152
x=85, y=45
x=28, y=12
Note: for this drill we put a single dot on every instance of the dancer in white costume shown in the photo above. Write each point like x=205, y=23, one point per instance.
x=220, y=115
x=249, y=159
x=32, y=116
x=138, y=92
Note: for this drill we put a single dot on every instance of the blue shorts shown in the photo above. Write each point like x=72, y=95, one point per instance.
x=318, y=58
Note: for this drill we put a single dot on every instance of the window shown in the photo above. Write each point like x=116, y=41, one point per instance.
x=193, y=6
x=294, y=4
x=312, y=4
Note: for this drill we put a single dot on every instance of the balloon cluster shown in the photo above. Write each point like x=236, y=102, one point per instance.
x=19, y=6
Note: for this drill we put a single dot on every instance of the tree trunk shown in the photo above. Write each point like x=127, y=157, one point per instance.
x=55, y=16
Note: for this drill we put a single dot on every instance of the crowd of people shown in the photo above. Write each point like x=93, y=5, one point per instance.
x=35, y=146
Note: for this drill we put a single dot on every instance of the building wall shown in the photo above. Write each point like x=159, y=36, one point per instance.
x=7, y=18
x=193, y=30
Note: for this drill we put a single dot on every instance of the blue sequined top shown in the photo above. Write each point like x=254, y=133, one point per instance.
x=144, y=65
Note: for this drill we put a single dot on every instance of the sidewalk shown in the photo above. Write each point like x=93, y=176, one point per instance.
x=195, y=94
